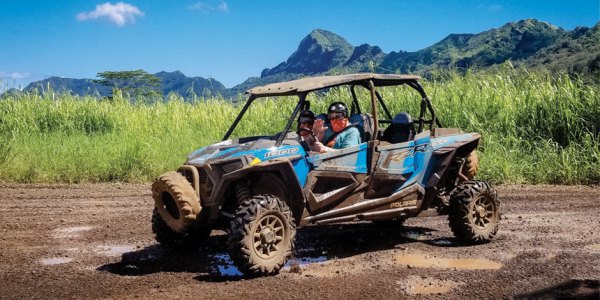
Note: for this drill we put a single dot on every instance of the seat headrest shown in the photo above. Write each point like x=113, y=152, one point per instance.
x=364, y=123
x=402, y=118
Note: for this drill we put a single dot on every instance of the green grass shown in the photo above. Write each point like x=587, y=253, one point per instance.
x=536, y=128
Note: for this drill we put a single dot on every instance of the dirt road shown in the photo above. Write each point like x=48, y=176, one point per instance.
x=94, y=241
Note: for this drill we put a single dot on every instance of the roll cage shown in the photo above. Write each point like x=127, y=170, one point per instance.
x=369, y=81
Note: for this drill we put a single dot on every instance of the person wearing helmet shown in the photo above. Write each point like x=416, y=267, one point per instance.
x=306, y=120
x=340, y=133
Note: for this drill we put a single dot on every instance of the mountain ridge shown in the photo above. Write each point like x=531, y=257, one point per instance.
x=529, y=43
x=171, y=82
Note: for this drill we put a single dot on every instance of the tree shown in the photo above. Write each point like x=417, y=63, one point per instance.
x=135, y=83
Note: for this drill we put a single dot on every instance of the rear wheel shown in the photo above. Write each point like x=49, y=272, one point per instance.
x=471, y=165
x=474, y=212
x=262, y=235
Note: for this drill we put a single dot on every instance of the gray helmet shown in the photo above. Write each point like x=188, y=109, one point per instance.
x=338, y=107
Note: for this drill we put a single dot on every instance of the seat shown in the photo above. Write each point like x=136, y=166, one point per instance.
x=401, y=130
x=365, y=125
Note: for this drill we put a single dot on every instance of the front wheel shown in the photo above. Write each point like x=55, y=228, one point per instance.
x=262, y=235
x=474, y=212
x=176, y=201
x=177, y=218
x=191, y=239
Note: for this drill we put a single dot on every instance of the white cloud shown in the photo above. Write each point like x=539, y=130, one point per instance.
x=14, y=75
x=119, y=13
x=208, y=7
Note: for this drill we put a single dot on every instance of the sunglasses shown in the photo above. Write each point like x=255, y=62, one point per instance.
x=335, y=115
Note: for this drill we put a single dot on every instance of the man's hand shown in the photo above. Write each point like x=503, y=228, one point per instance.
x=319, y=147
x=319, y=129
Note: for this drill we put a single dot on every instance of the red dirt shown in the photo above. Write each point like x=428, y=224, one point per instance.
x=95, y=241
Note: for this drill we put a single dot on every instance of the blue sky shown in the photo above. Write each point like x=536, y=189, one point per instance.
x=231, y=40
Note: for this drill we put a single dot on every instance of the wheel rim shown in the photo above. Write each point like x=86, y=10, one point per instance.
x=482, y=213
x=268, y=236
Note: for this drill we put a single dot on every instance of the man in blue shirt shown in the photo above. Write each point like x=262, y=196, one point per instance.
x=340, y=134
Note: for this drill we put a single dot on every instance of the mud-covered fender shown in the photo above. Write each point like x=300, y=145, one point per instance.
x=444, y=153
x=281, y=168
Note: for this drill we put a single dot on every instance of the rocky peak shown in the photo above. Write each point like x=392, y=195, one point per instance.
x=318, y=52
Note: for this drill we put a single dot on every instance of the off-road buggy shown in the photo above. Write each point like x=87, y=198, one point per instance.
x=260, y=189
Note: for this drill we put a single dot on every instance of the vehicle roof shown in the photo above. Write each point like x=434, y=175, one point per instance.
x=315, y=83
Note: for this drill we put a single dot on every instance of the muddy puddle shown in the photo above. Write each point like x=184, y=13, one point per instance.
x=421, y=261
x=70, y=231
x=420, y=285
x=114, y=250
x=593, y=247
x=226, y=267
x=420, y=236
x=303, y=261
x=414, y=235
x=55, y=261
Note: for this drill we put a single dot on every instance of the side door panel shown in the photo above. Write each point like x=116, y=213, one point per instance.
x=396, y=163
x=334, y=176
x=351, y=159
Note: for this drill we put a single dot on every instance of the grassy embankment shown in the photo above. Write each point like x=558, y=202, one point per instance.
x=536, y=129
